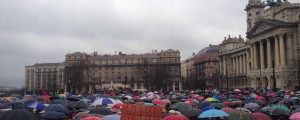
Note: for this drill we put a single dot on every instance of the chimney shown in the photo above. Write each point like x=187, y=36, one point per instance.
x=240, y=36
x=120, y=52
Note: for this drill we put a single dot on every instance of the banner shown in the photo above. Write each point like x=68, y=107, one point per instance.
x=141, y=112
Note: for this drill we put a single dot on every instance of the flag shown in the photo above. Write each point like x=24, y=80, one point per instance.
x=45, y=95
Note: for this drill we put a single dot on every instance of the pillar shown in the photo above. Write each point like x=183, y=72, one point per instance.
x=262, y=59
x=173, y=85
x=282, y=51
x=241, y=65
x=290, y=47
x=224, y=67
x=233, y=65
x=251, y=57
x=255, y=56
x=276, y=49
x=269, y=57
x=245, y=64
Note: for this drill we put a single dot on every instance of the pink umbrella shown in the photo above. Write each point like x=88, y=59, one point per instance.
x=227, y=110
x=260, y=116
x=295, y=116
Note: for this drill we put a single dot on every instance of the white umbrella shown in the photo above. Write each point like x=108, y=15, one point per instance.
x=104, y=101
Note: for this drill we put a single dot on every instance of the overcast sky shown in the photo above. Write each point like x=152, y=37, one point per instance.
x=43, y=31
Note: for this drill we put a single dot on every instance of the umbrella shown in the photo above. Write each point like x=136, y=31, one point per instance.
x=53, y=115
x=194, y=112
x=295, y=116
x=238, y=114
x=101, y=110
x=260, y=116
x=243, y=109
x=295, y=98
x=213, y=113
x=18, y=114
x=16, y=105
x=180, y=105
x=205, y=104
x=207, y=108
x=175, y=117
x=275, y=111
x=227, y=110
x=128, y=97
x=91, y=118
x=251, y=105
x=58, y=101
x=218, y=105
x=116, y=97
x=104, y=101
x=281, y=107
x=78, y=104
x=36, y=105
x=3, y=106
x=159, y=102
x=260, y=102
x=128, y=102
x=212, y=100
x=154, y=96
x=112, y=117
x=227, y=103
x=58, y=108
x=73, y=98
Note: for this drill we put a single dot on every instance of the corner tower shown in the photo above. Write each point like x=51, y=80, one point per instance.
x=254, y=10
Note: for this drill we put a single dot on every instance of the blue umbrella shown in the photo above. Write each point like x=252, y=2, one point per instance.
x=58, y=108
x=213, y=113
x=207, y=108
x=205, y=104
x=35, y=105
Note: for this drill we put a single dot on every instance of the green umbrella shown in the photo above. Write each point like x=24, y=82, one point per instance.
x=281, y=107
x=116, y=97
x=180, y=106
x=241, y=115
x=218, y=105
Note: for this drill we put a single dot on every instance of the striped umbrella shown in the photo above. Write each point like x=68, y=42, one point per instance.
x=104, y=101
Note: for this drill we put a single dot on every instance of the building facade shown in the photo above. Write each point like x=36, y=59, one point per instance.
x=156, y=70
x=233, y=63
x=187, y=73
x=44, y=76
x=273, y=35
x=206, y=67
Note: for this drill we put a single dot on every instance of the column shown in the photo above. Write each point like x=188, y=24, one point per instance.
x=224, y=67
x=269, y=57
x=251, y=57
x=262, y=59
x=255, y=56
x=290, y=47
x=282, y=51
x=242, y=65
x=233, y=65
x=237, y=65
x=245, y=64
x=276, y=52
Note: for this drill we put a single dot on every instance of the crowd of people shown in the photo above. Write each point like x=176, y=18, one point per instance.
x=184, y=105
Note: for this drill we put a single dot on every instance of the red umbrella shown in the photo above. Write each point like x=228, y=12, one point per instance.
x=91, y=118
x=227, y=103
x=136, y=97
x=227, y=110
x=159, y=102
x=260, y=116
x=260, y=97
x=175, y=117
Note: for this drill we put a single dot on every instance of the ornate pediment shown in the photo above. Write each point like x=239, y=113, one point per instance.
x=266, y=25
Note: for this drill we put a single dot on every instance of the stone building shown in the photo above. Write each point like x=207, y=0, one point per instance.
x=273, y=34
x=47, y=76
x=137, y=71
x=187, y=73
x=206, y=66
x=233, y=63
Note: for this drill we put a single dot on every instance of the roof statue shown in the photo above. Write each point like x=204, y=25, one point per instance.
x=272, y=3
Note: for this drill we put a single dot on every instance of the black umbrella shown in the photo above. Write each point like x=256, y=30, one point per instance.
x=18, y=114
x=194, y=112
x=276, y=111
x=53, y=115
x=2, y=106
x=72, y=98
x=101, y=110
x=128, y=102
x=16, y=105
x=58, y=108
x=77, y=104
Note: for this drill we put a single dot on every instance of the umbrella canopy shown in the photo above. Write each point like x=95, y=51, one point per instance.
x=275, y=111
x=260, y=116
x=159, y=102
x=154, y=96
x=78, y=104
x=112, y=117
x=101, y=110
x=238, y=114
x=212, y=100
x=180, y=105
x=128, y=102
x=36, y=105
x=295, y=116
x=227, y=110
x=73, y=98
x=212, y=114
x=243, y=109
x=281, y=107
x=175, y=117
x=251, y=105
x=218, y=105
x=194, y=112
x=18, y=114
x=104, y=101
x=91, y=118
x=58, y=108
x=2, y=106
x=205, y=104
x=53, y=115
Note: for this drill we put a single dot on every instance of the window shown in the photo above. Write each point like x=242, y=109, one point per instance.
x=249, y=14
